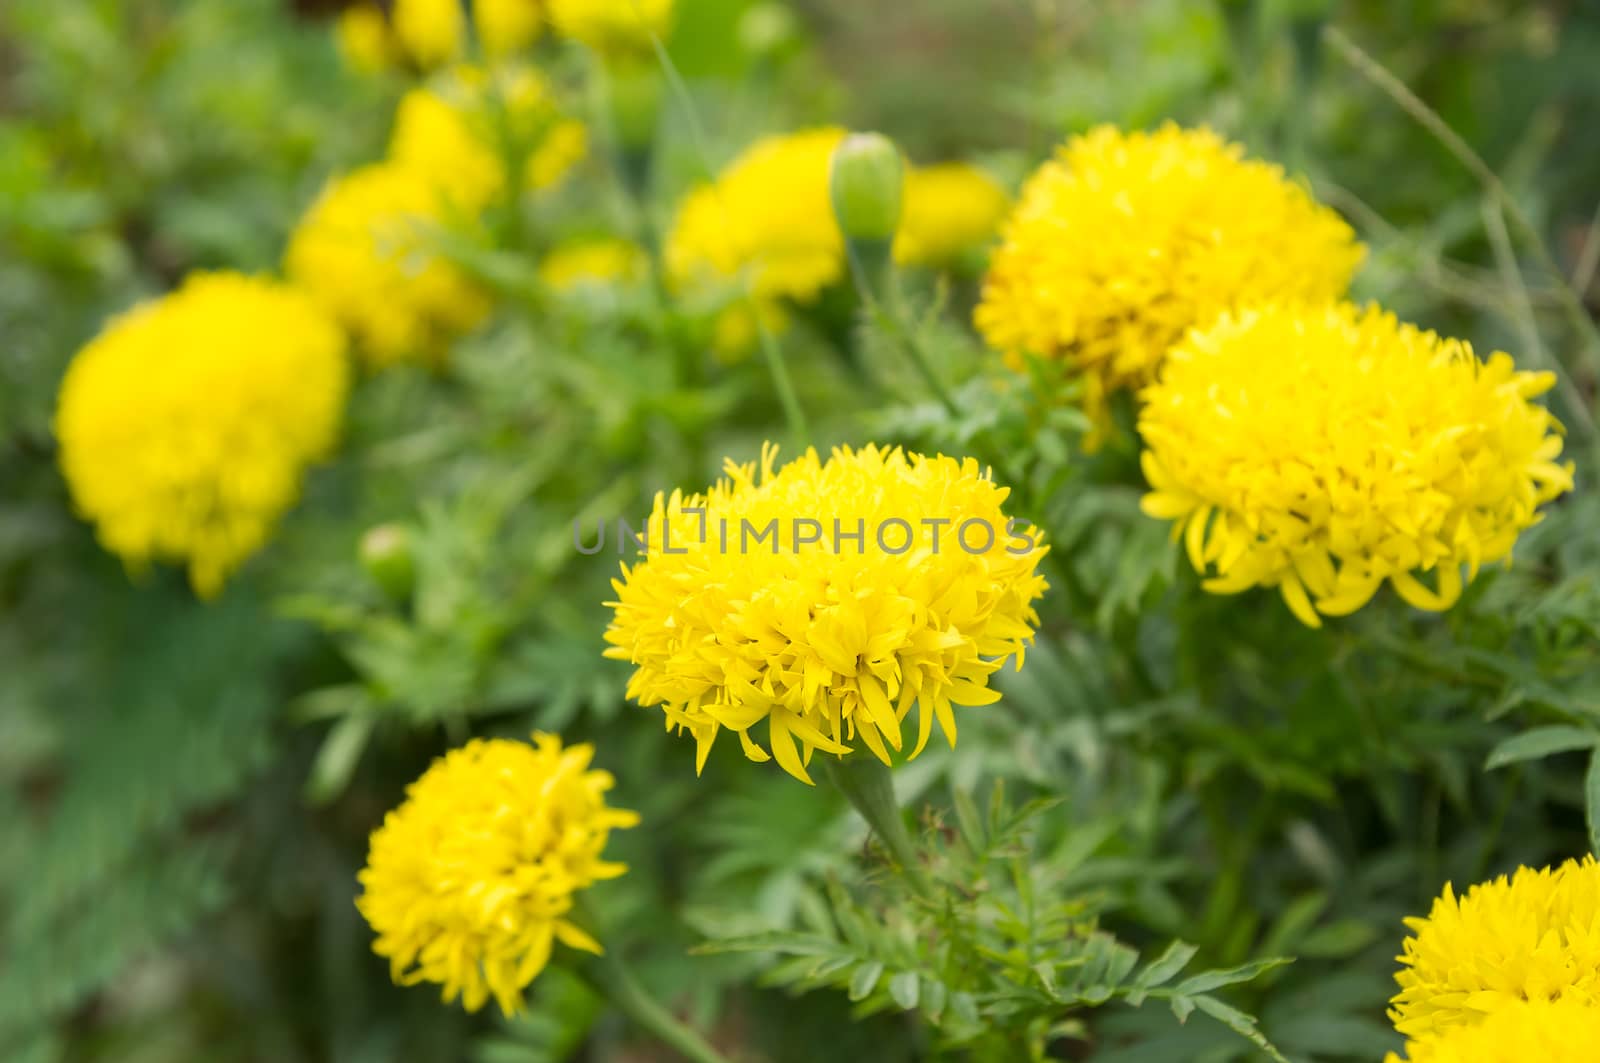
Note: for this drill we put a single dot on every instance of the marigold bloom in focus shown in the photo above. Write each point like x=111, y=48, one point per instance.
x=460, y=130
x=1534, y=936
x=825, y=642
x=470, y=882
x=186, y=425
x=950, y=209
x=592, y=263
x=362, y=251
x=1565, y=1031
x=612, y=26
x=1326, y=450
x=427, y=34
x=1127, y=240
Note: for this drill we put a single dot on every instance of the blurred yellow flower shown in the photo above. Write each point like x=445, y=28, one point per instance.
x=950, y=209
x=827, y=599
x=1534, y=936
x=592, y=263
x=362, y=251
x=1127, y=240
x=186, y=425
x=766, y=220
x=1326, y=450
x=612, y=26
x=1563, y=1031
x=470, y=882
x=427, y=34
x=461, y=131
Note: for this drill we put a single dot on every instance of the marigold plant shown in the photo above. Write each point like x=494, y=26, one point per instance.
x=1533, y=936
x=1126, y=240
x=1325, y=451
x=470, y=882
x=829, y=640
x=186, y=424
x=363, y=252
x=1563, y=1031
x=612, y=26
x=427, y=34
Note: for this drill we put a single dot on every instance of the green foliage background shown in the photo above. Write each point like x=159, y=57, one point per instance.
x=185, y=789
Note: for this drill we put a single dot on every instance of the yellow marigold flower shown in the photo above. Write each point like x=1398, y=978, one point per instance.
x=427, y=34
x=826, y=599
x=767, y=221
x=362, y=252
x=612, y=26
x=1535, y=936
x=186, y=424
x=470, y=882
x=1127, y=240
x=365, y=40
x=592, y=263
x=950, y=209
x=1326, y=450
x=1563, y=1031
x=460, y=131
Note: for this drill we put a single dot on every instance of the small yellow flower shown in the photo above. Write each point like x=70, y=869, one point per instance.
x=461, y=131
x=592, y=263
x=1533, y=937
x=362, y=251
x=470, y=882
x=612, y=26
x=1564, y=1031
x=428, y=34
x=827, y=599
x=186, y=425
x=950, y=209
x=1326, y=450
x=1127, y=240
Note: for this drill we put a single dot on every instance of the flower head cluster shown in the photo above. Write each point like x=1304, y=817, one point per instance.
x=597, y=263
x=1562, y=1031
x=1532, y=937
x=950, y=209
x=460, y=131
x=1127, y=240
x=470, y=882
x=1326, y=450
x=364, y=252
x=427, y=34
x=612, y=26
x=826, y=599
x=186, y=425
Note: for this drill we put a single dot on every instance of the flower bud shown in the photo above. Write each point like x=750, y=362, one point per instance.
x=388, y=555
x=867, y=185
x=769, y=31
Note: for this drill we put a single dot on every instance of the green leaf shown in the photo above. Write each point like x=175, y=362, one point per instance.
x=337, y=759
x=1239, y=1023
x=1206, y=982
x=865, y=979
x=905, y=989
x=1541, y=742
x=1161, y=970
x=1591, y=797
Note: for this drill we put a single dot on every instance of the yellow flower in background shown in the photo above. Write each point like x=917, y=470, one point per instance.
x=828, y=638
x=950, y=209
x=1326, y=450
x=1564, y=1031
x=766, y=220
x=1534, y=936
x=1127, y=240
x=461, y=130
x=470, y=882
x=428, y=34
x=612, y=26
x=363, y=252
x=599, y=262
x=186, y=425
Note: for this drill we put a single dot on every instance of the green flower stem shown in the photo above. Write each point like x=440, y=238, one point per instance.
x=611, y=978
x=869, y=786
x=799, y=429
